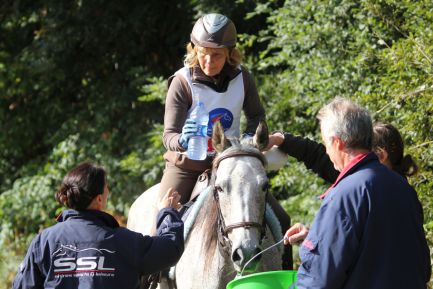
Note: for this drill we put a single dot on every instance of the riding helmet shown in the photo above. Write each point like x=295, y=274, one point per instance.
x=214, y=31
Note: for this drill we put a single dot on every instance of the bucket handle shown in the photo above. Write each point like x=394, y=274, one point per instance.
x=268, y=248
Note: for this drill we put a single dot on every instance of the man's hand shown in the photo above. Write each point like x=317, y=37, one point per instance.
x=296, y=234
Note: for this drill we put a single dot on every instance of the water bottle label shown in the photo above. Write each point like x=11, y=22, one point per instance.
x=202, y=130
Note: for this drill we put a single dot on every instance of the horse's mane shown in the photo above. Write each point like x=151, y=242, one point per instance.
x=208, y=215
x=207, y=219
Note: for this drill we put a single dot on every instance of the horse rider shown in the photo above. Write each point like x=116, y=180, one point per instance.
x=212, y=74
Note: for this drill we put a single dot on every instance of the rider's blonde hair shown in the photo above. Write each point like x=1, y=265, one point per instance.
x=233, y=56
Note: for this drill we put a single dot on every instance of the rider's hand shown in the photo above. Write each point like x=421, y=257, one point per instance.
x=189, y=129
x=170, y=200
x=296, y=234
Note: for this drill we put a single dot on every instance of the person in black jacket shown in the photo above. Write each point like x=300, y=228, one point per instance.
x=387, y=144
x=88, y=249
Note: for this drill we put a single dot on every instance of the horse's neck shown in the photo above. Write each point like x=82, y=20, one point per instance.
x=193, y=271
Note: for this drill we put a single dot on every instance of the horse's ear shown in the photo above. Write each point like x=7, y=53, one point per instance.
x=219, y=140
x=261, y=138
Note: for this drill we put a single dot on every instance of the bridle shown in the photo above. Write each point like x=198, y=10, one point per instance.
x=223, y=229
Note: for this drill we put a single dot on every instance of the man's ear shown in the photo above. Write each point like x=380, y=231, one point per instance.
x=339, y=144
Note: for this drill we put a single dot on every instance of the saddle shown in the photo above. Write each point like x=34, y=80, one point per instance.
x=201, y=184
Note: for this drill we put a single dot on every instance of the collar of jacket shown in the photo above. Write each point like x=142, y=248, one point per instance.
x=91, y=215
x=352, y=167
x=219, y=82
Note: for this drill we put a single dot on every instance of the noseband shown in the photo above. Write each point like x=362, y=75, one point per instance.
x=223, y=229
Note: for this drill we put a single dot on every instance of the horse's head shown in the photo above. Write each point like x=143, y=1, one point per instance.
x=240, y=188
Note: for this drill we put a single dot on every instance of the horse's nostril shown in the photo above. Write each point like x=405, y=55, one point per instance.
x=238, y=256
x=243, y=257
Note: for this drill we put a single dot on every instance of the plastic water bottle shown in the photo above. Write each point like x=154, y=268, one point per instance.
x=197, y=144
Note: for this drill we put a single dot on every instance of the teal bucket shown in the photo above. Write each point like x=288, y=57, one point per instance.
x=265, y=280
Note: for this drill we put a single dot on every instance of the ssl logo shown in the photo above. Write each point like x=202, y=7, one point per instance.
x=80, y=264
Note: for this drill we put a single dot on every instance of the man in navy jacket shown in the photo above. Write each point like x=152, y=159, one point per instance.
x=88, y=249
x=368, y=231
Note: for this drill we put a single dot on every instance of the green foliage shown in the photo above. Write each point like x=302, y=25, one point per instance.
x=84, y=80
x=29, y=205
x=79, y=67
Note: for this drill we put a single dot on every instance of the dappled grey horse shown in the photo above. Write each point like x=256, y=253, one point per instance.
x=230, y=226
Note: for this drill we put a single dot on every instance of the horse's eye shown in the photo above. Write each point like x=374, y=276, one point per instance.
x=265, y=186
x=219, y=189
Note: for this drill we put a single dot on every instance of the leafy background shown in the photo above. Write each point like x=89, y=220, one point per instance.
x=86, y=80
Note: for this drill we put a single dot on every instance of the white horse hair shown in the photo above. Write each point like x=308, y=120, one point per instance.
x=235, y=205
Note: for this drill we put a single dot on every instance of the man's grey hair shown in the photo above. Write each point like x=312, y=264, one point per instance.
x=346, y=120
